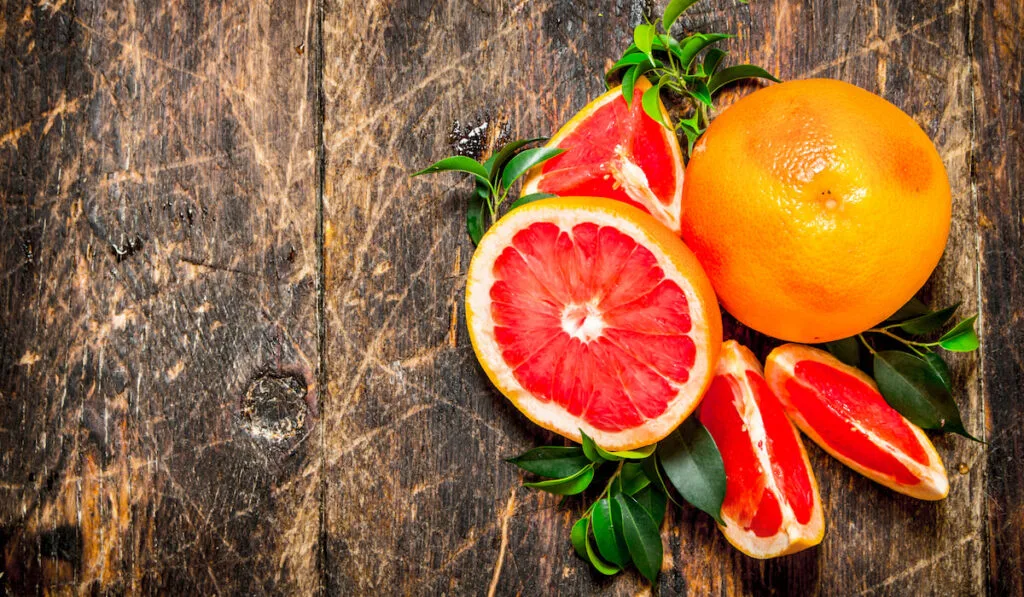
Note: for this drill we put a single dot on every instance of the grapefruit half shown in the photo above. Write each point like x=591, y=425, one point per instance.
x=840, y=408
x=618, y=152
x=772, y=506
x=589, y=314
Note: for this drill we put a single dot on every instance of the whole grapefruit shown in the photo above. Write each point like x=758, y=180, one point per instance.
x=816, y=208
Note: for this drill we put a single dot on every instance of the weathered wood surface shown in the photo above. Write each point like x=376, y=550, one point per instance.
x=207, y=216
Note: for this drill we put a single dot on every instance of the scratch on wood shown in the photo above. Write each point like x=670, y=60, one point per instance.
x=921, y=565
x=510, y=508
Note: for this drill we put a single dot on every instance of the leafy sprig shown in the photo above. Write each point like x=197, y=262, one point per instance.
x=494, y=179
x=900, y=355
x=622, y=524
x=675, y=66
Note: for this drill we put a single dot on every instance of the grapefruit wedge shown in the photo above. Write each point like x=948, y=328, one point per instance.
x=839, y=407
x=772, y=506
x=589, y=314
x=618, y=152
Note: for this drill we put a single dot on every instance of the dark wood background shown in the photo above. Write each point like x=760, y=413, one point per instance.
x=232, y=346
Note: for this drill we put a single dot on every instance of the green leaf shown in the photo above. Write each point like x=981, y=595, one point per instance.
x=673, y=10
x=666, y=42
x=712, y=59
x=913, y=308
x=653, y=472
x=633, y=59
x=599, y=564
x=530, y=199
x=693, y=465
x=610, y=541
x=642, y=536
x=475, y=218
x=525, y=160
x=735, y=73
x=846, y=350
x=578, y=536
x=628, y=83
x=570, y=485
x=637, y=454
x=928, y=322
x=497, y=162
x=643, y=37
x=962, y=337
x=651, y=102
x=939, y=368
x=633, y=478
x=456, y=163
x=654, y=501
x=911, y=386
x=552, y=461
x=692, y=46
x=590, y=448
x=701, y=93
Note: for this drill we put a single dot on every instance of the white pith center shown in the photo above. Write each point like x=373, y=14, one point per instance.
x=583, y=322
x=632, y=179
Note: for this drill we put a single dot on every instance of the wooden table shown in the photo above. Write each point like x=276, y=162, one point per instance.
x=233, y=355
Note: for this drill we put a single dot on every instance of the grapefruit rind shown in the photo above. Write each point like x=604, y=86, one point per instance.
x=933, y=485
x=673, y=257
x=668, y=215
x=792, y=536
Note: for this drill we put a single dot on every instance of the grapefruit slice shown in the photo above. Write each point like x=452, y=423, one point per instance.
x=618, y=152
x=839, y=407
x=589, y=314
x=772, y=506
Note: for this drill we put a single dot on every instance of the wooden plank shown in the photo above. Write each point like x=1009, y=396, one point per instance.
x=159, y=357
x=419, y=500
x=997, y=29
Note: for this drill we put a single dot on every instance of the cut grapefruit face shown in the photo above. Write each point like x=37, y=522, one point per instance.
x=618, y=152
x=839, y=407
x=589, y=314
x=772, y=506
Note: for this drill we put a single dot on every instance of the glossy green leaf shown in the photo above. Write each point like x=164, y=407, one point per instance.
x=642, y=536
x=530, y=199
x=694, y=466
x=651, y=102
x=475, y=218
x=523, y=161
x=497, y=162
x=673, y=10
x=962, y=338
x=578, y=536
x=552, y=461
x=599, y=564
x=701, y=93
x=939, y=368
x=637, y=454
x=929, y=322
x=590, y=448
x=654, y=501
x=694, y=44
x=633, y=59
x=570, y=485
x=666, y=42
x=736, y=73
x=911, y=386
x=912, y=308
x=643, y=37
x=712, y=59
x=846, y=350
x=608, y=535
x=628, y=84
x=456, y=163
x=653, y=472
x=633, y=478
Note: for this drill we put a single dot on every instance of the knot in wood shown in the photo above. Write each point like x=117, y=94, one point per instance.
x=274, y=406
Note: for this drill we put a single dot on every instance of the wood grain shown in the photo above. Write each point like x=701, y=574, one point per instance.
x=158, y=298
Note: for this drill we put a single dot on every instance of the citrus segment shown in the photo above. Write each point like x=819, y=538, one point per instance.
x=617, y=152
x=589, y=314
x=817, y=209
x=839, y=407
x=771, y=505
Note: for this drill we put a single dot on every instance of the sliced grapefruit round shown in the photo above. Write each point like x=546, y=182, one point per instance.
x=839, y=407
x=618, y=152
x=589, y=314
x=772, y=506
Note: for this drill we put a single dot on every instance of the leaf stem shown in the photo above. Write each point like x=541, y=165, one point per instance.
x=607, y=487
x=908, y=343
x=866, y=345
